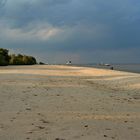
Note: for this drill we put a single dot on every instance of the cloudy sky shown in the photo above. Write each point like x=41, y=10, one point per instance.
x=84, y=31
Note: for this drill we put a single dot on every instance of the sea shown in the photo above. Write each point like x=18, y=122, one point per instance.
x=135, y=68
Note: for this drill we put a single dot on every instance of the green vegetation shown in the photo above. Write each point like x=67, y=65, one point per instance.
x=4, y=57
x=13, y=59
x=41, y=63
x=21, y=60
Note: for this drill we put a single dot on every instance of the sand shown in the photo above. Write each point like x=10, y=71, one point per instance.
x=68, y=103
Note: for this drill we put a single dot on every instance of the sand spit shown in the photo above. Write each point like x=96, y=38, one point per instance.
x=68, y=103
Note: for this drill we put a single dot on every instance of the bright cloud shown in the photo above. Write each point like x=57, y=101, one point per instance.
x=32, y=32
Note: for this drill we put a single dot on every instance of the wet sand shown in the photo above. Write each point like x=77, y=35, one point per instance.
x=68, y=103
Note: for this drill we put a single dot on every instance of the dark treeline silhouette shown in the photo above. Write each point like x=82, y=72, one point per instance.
x=6, y=59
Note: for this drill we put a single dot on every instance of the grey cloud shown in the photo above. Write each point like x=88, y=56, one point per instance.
x=2, y=3
x=71, y=12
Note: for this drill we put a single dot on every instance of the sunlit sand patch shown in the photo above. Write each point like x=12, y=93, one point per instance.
x=41, y=72
x=100, y=72
x=16, y=83
x=112, y=78
x=109, y=117
x=64, y=85
x=119, y=78
x=60, y=71
x=88, y=116
x=68, y=115
x=135, y=86
x=47, y=84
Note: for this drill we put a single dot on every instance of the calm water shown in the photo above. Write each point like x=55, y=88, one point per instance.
x=121, y=67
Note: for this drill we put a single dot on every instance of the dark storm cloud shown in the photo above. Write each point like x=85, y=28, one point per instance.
x=2, y=3
x=79, y=27
x=68, y=12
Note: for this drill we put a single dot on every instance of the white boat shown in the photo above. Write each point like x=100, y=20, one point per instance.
x=107, y=64
x=68, y=63
x=102, y=64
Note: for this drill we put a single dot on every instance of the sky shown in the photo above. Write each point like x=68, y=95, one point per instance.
x=83, y=31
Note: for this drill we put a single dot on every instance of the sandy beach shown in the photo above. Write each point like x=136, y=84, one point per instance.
x=68, y=103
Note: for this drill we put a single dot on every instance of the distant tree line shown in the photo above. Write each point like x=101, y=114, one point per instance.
x=6, y=59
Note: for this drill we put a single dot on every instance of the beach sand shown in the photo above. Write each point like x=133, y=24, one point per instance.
x=68, y=103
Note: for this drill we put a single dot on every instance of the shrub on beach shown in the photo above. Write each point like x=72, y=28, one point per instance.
x=41, y=63
x=13, y=59
x=4, y=57
x=22, y=60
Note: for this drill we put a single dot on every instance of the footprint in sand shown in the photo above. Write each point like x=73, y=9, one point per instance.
x=105, y=136
x=86, y=126
x=130, y=128
x=59, y=139
x=14, y=118
x=44, y=121
x=29, y=132
x=40, y=127
x=108, y=129
x=1, y=126
x=28, y=108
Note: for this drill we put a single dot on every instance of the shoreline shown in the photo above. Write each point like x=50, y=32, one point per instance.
x=64, y=66
x=117, y=67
